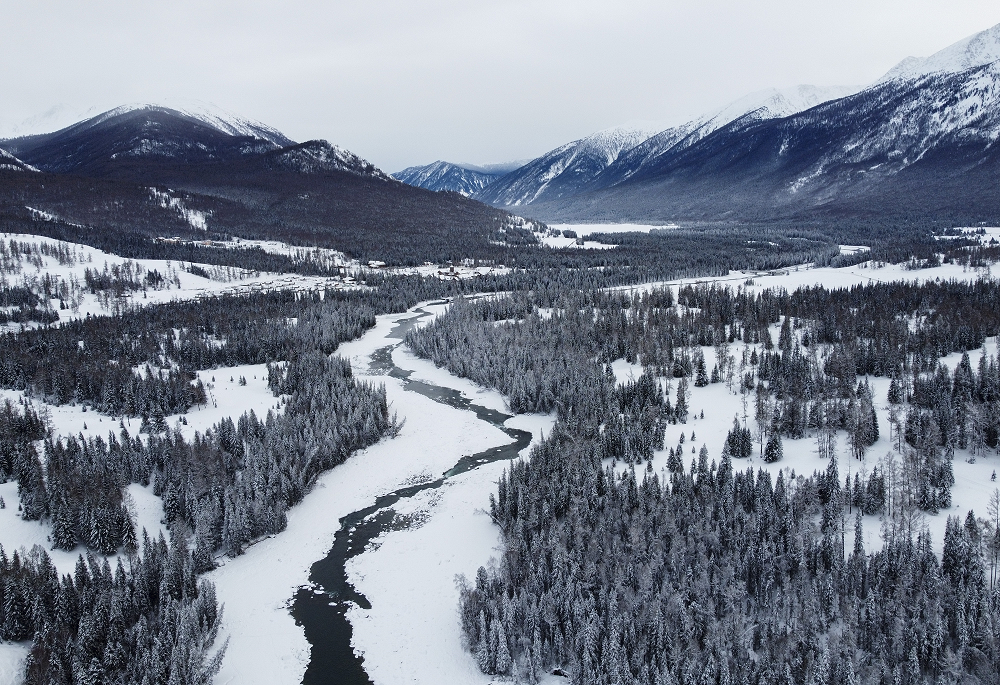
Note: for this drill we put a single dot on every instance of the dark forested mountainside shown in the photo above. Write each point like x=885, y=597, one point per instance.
x=366, y=217
x=715, y=574
x=160, y=172
x=124, y=137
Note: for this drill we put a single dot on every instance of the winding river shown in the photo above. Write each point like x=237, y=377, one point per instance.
x=321, y=608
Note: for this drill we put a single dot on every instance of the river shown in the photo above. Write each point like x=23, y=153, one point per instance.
x=321, y=608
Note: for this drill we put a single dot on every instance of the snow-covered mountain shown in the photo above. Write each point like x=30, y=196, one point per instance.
x=974, y=51
x=145, y=132
x=138, y=172
x=316, y=156
x=613, y=156
x=447, y=176
x=766, y=104
x=920, y=142
x=564, y=171
x=62, y=116
x=922, y=146
x=9, y=162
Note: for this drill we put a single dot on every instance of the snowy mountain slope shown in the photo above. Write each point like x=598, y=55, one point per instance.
x=63, y=116
x=563, y=171
x=447, y=176
x=150, y=132
x=766, y=104
x=499, y=168
x=924, y=145
x=317, y=156
x=213, y=116
x=235, y=125
x=209, y=177
x=611, y=157
x=974, y=51
x=773, y=103
x=9, y=162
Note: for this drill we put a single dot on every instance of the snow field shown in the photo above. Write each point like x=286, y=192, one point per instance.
x=584, y=230
x=265, y=644
x=791, y=278
x=412, y=633
x=564, y=242
x=225, y=280
x=973, y=484
x=12, y=656
x=227, y=398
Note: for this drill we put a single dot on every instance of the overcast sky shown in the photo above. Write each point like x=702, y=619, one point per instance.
x=405, y=82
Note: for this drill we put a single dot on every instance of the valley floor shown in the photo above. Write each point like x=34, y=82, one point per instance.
x=411, y=634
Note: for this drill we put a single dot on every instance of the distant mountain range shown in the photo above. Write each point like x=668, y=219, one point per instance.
x=161, y=171
x=564, y=171
x=447, y=176
x=919, y=142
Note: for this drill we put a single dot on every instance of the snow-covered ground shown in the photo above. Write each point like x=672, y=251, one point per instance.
x=990, y=234
x=973, y=484
x=12, y=656
x=411, y=633
x=584, y=230
x=562, y=242
x=178, y=283
x=319, y=255
x=459, y=271
x=227, y=398
x=265, y=644
x=794, y=277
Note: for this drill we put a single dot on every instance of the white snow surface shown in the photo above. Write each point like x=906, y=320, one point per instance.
x=976, y=50
x=188, y=286
x=12, y=163
x=12, y=656
x=584, y=230
x=265, y=644
x=411, y=634
x=561, y=242
x=794, y=277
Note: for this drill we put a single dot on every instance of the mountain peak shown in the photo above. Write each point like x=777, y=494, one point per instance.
x=205, y=113
x=145, y=132
x=976, y=50
x=441, y=175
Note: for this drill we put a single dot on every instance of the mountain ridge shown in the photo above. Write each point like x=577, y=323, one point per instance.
x=906, y=145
